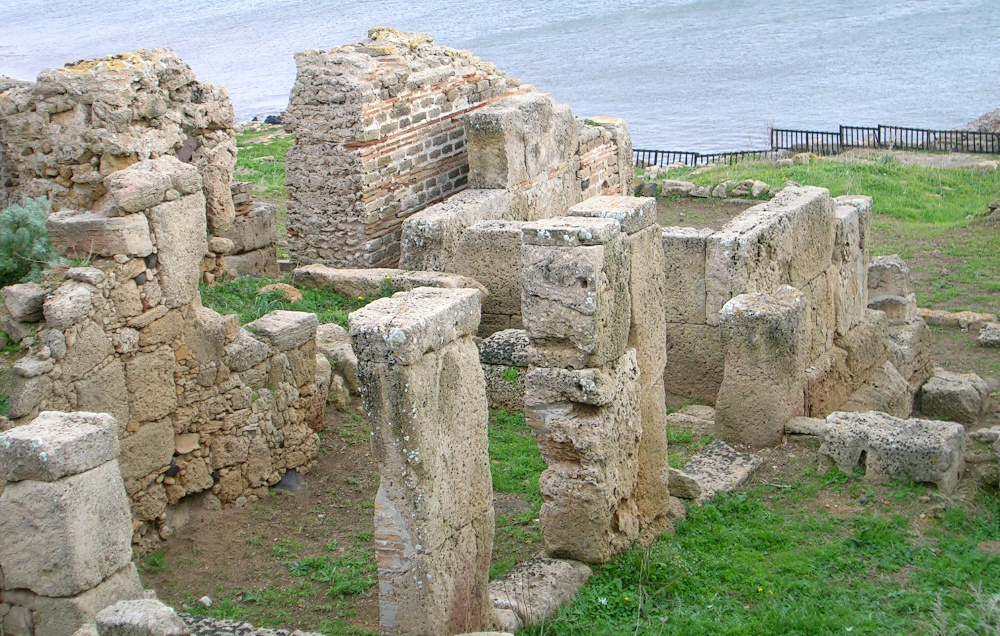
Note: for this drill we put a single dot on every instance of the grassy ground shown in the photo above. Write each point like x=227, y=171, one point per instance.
x=239, y=296
x=261, y=160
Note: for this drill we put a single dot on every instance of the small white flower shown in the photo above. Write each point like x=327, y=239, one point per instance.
x=602, y=601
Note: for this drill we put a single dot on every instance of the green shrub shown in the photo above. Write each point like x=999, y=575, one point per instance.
x=25, y=249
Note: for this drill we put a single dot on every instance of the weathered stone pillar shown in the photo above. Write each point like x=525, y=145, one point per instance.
x=422, y=383
x=582, y=394
x=765, y=338
x=648, y=336
x=65, y=526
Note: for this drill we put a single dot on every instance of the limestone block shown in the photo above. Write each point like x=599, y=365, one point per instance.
x=433, y=510
x=431, y=236
x=766, y=343
x=533, y=590
x=648, y=297
x=504, y=387
x=959, y=319
x=821, y=294
x=957, y=397
x=333, y=342
x=490, y=252
x=683, y=485
x=143, y=617
x=64, y=537
x=105, y=391
x=671, y=187
x=181, y=243
x=89, y=348
x=719, y=468
x=219, y=210
x=68, y=305
x=403, y=328
x=285, y=330
x=16, y=331
x=806, y=426
x=82, y=234
x=26, y=394
x=24, y=301
x=866, y=345
x=589, y=511
x=147, y=450
x=55, y=445
x=229, y=450
x=786, y=241
x=828, y=383
x=910, y=352
x=684, y=270
x=255, y=230
x=695, y=362
x=136, y=189
x=151, y=385
x=365, y=283
x=633, y=213
x=575, y=302
x=63, y=616
x=517, y=139
x=261, y=262
x=850, y=293
x=889, y=276
x=898, y=309
x=989, y=335
x=246, y=352
x=887, y=391
x=894, y=448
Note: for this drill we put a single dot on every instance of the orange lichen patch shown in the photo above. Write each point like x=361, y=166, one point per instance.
x=118, y=62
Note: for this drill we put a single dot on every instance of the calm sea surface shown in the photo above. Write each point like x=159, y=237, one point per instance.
x=686, y=74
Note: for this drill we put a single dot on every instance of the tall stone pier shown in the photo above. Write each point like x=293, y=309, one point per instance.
x=424, y=388
x=582, y=392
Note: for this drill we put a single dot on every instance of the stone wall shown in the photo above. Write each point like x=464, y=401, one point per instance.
x=62, y=135
x=203, y=405
x=395, y=124
x=65, y=531
x=254, y=236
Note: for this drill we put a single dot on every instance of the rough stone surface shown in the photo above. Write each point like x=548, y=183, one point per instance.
x=64, y=537
x=718, y=468
x=334, y=342
x=62, y=616
x=56, y=445
x=533, y=590
x=886, y=391
x=957, y=397
x=85, y=235
x=765, y=338
x=24, y=301
x=893, y=448
x=683, y=485
x=989, y=335
x=181, y=243
x=684, y=269
x=143, y=617
x=696, y=363
x=633, y=213
x=889, y=276
x=365, y=283
x=285, y=330
x=490, y=252
x=806, y=426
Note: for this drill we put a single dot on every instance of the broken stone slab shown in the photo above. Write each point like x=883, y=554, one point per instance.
x=508, y=347
x=806, y=426
x=898, y=309
x=956, y=397
x=83, y=234
x=402, y=328
x=670, y=187
x=895, y=448
x=633, y=213
x=62, y=616
x=766, y=342
x=961, y=319
x=143, y=617
x=570, y=232
x=285, y=330
x=334, y=342
x=989, y=335
x=23, y=301
x=719, y=468
x=365, y=283
x=683, y=485
x=68, y=305
x=533, y=590
x=55, y=445
x=64, y=537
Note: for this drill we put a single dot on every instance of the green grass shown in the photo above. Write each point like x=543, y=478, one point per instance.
x=516, y=464
x=763, y=561
x=239, y=296
x=906, y=192
x=268, y=176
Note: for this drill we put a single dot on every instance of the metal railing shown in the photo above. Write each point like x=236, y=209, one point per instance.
x=830, y=143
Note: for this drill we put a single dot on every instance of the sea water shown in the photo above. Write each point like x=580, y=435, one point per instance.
x=703, y=75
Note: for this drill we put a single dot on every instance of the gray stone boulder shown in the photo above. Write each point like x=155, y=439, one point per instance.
x=720, y=468
x=892, y=448
x=24, y=301
x=144, y=617
x=989, y=335
x=956, y=397
x=672, y=186
x=55, y=445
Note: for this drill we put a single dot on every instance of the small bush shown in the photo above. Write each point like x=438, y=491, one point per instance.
x=25, y=249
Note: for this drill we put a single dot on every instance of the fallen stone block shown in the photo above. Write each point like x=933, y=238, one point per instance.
x=806, y=426
x=887, y=391
x=889, y=276
x=989, y=335
x=253, y=231
x=259, y=262
x=83, y=234
x=671, y=187
x=719, y=468
x=961, y=319
x=365, y=283
x=143, y=617
x=893, y=448
x=683, y=485
x=55, y=445
x=285, y=330
x=533, y=590
x=24, y=301
x=956, y=397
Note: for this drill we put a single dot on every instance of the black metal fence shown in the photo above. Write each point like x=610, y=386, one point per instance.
x=830, y=143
